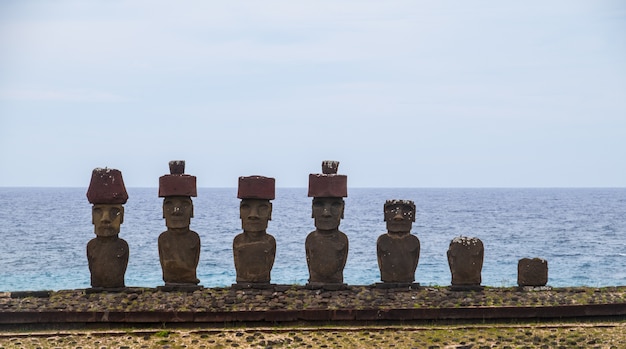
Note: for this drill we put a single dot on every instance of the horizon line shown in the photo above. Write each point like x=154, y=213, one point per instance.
x=430, y=187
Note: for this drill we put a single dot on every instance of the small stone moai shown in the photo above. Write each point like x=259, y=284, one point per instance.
x=465, y=258
x=107, y=254
x=398, y=251
x=179, y=247
x=327, y=247
x=254, y=249
x=532, y=272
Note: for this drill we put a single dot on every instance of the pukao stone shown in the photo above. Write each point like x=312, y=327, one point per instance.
x=254, y=249
x=532, y=272
x=398, y=250
x=465, y=258
x=177, y=183
x=327, y=247
x=179, y=246
x=256, y=187
x=107, y=187
x=107, y=254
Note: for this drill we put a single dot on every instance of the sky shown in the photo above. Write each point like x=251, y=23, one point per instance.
x=403, y=93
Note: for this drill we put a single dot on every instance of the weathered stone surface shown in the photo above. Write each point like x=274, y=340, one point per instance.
x=256, y=187
x=108, y=259
x=465, y=258
x=177, y=167
x=177, y=183
x=328, y=183
x=107, y=187
x=532, y=272
x=107, y=254
x=330, y=167
x=107, y=219
x=179, y=247
x=233, y=300
x=179, y=253
x=254, y=250
x=398, y=251
x=326, y=256
x=254, y=259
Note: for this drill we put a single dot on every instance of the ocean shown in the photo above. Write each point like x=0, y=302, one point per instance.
x=580, y=232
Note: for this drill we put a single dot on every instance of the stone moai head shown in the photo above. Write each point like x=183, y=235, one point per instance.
x=107, y=193
x=532, y=272
x=399, y=215
x=176, y=189
x=255, y=209
x=328, y=190
x=465, y=258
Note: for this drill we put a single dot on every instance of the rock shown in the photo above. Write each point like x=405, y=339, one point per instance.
x=532, y=272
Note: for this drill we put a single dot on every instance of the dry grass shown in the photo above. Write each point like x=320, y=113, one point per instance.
x=552, y=335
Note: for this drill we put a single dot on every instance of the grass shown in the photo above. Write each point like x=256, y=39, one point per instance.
x=526, y=335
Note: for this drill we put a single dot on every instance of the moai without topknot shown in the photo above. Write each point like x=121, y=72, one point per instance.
x=465, y=258
x=398, y=251
x=327, y=247
x=254, y=249
x=532, y=272
x=179, y=247
x=107, y=254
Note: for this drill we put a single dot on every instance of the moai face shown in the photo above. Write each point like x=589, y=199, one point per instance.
x=399, y=215
x=255, y=214
x=107, y=219
x=177, y=211
x=327, y=212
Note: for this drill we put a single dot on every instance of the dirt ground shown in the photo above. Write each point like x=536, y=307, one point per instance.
x=527, y=335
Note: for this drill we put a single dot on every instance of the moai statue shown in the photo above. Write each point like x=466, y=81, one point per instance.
x=327, y=247
x=465, y=258
x=254, y=249
x=179, y=247
x=532, y=272
x=398, y=251
x=107, y=254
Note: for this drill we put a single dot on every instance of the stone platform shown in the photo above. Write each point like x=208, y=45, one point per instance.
x=294, y=304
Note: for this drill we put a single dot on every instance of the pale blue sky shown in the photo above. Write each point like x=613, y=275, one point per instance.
x=402, y=93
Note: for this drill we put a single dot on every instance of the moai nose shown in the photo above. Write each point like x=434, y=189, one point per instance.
x=254, y=213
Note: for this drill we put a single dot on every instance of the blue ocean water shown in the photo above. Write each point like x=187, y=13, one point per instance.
x=580, y=232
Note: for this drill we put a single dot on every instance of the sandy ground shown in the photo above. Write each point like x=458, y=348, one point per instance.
x=528, y=335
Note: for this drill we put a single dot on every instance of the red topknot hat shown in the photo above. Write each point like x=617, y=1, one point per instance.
x=107, y=187
x=256, y=187
x=177, y=183
x=328, y=183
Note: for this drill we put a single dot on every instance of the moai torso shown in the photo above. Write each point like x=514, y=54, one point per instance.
x=108, y=259
x=326, y=255
x=179, y=253
x=254, y=257
x=465, y=258
x=398, y=257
